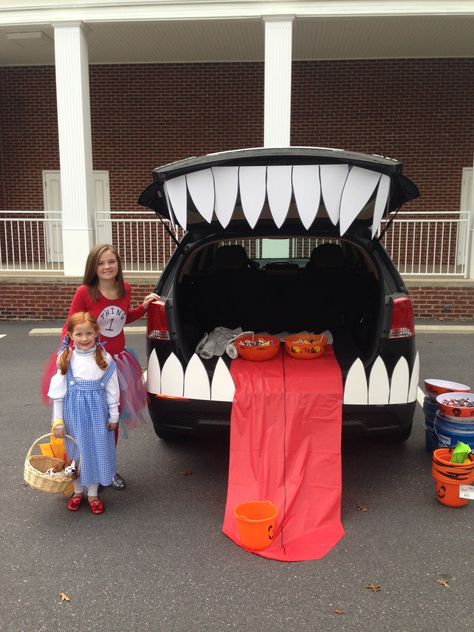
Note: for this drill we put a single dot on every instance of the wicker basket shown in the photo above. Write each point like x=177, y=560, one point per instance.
x=36, y=466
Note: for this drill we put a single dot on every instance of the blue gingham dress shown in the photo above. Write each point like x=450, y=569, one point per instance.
x=86, y=414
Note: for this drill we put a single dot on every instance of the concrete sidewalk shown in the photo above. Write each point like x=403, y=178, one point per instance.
x=444, y=328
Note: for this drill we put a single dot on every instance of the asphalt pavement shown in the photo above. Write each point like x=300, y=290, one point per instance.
x=157, y=559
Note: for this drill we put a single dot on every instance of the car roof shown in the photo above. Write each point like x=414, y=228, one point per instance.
x=279, y=183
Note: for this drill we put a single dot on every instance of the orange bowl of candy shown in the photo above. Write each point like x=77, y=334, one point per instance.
x=257, y=347
x=457, y=406
x=305, y=346
x=438, y=387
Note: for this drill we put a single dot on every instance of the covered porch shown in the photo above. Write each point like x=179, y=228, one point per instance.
x=93, y=96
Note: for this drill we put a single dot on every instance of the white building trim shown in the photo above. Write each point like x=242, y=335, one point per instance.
x=470, y=260
x=75, y=145
x=278, y=57
x=17, y=12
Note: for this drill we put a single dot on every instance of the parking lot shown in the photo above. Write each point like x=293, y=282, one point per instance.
x=157, y=560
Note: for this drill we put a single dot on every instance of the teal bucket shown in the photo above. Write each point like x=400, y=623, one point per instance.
x=430, y=408
x=448, y=432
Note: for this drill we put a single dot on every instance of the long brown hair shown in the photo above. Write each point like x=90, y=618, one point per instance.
x=79, y=318
x=90, y=273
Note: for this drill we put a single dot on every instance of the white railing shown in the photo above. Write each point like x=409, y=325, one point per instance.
x=30, y=241
x=425, y=243
x=141, y=239
x=429, y=243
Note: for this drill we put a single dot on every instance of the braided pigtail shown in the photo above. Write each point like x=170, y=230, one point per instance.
x=64, y=355
x=99, y=357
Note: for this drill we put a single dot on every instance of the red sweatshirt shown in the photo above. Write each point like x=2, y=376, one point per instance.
x=111, y=314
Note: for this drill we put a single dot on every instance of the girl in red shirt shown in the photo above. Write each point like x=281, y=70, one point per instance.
x=106, y=296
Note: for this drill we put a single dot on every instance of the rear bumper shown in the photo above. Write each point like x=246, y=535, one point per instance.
x=193, y=416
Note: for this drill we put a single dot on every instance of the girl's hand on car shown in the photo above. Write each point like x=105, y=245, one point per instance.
x=112, y=425
x=149, y=299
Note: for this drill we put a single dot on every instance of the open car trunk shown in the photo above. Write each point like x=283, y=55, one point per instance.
x=281, y=240
x=289, y=283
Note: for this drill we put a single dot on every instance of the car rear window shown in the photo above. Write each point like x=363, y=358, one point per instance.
x=295, y=251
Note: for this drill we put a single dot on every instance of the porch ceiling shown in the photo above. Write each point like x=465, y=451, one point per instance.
x=243, y=40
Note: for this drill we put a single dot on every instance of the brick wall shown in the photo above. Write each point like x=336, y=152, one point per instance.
x=142, y=116
x=419, y=111
x=50, y=300
x=43, y=300
x=443, y=303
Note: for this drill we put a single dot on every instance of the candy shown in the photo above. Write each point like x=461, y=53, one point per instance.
x=462, y=402
x=306, y=341
x=257, y=342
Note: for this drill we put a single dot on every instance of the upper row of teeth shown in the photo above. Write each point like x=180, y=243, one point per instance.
x=344, y=190
x=193, y=383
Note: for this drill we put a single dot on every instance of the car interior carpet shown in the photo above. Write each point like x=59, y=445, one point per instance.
x=285, y=447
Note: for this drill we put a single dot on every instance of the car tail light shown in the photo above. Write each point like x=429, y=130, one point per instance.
x=157, y=322
x=403, y=323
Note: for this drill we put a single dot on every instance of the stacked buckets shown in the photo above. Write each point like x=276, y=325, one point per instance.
x=450, y=476
x=441, y=430
x=449, y=419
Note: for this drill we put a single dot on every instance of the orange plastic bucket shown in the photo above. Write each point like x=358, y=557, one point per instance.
x=256, y=523
x=450, y=476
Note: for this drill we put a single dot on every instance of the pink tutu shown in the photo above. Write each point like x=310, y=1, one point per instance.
x=49, y=370
x=133, y=395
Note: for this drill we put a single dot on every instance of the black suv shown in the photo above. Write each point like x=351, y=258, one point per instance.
x=281, y=240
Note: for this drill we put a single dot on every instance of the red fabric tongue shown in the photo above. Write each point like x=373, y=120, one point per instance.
x=285, y=446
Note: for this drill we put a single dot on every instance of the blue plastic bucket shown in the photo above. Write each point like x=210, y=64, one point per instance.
x=430, y=409
x=449, y=432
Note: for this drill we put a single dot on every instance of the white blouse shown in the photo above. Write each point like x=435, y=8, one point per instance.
x=84, y=367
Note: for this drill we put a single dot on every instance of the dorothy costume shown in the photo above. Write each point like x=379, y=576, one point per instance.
x=87, y=398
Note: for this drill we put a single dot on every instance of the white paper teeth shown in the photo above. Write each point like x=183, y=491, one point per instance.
x=201, y=189
x=177, y=194
x=378, y=389
x=307, y=192
x=380, y=202
x=355, y=389
x=399, y=383
x=345, y=192
x=196, y=381
x=172, y=377
x=358, y=188
x=192, y=383
x=279, y=192
x=222, y=386
x=379, y=386
x=333, y=179
x=252, y=186
x=226, y=183
x=153, y=374
x=415, y=378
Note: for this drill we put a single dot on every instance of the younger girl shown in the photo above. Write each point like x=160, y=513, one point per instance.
x=85, y=392
x=106, y=296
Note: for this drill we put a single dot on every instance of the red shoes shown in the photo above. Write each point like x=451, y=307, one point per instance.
x=74, y=502
x=96, y=506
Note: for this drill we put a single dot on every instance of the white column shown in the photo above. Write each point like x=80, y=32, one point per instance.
x=470, y=243
x=75, y=144
x=278, y=57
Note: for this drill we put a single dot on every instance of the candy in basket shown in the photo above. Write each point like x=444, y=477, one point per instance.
x=49, y=473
